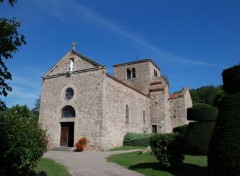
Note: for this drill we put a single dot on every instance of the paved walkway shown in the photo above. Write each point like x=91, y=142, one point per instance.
x=90, y=163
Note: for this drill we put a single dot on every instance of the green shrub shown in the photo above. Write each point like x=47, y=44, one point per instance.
x=22, y=141
x=202, y=113
x=136, y=139
x=181, y=129
x=198, y=137
x=168, y=149
x=224, y=150
x=231, y=79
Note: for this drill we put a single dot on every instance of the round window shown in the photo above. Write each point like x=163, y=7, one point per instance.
x=69, y=93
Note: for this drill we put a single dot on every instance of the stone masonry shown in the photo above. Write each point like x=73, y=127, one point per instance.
x=80, y=99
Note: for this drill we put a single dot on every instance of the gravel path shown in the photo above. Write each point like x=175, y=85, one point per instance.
x=90, y=163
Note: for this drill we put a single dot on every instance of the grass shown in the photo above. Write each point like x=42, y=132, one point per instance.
x=148, y=165
x=51, y=167
x=127, y=148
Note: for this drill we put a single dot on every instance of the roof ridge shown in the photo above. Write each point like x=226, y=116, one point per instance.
x=71, y=51
x=179, y=94
x=119, y=81
x=138, y=61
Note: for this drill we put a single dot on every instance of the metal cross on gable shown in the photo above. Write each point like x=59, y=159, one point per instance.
x=74, y=46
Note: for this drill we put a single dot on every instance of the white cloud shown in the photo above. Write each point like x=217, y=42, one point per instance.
x=24, y=92
x=24, y=82
x=69, y=11
x=21, y=96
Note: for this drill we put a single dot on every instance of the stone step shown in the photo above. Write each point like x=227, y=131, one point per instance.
x=62, y=149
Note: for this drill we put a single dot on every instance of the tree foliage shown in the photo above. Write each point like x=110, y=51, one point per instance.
x=22, y=141
x=36, y=108
x=166, y=79
x=10, y=40
x=207, y=94
x=11, y=2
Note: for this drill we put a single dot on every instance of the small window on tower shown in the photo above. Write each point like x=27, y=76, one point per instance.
x=128, y=73
x=155, y=72
x=133, y=73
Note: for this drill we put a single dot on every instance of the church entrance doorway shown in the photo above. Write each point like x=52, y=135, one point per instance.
x=67, y=134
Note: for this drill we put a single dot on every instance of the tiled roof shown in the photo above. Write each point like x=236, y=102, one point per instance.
x=177, y=95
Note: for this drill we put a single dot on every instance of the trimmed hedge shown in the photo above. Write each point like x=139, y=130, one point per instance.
x=168, y=149
x=198, y=137
x=224, y=150
x=202, y=113
x=231, y=79
x=136, y=139
x=181, y=129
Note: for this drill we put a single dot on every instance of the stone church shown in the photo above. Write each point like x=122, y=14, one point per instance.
x=79, y=98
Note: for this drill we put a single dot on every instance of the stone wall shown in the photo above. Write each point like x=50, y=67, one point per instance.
x=178, y=107
x=87, y=102
x=159, y=106
x=116, y=97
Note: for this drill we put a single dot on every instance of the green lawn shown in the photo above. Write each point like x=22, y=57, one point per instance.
x=127, y=148
x=148, y=165
x=51, y=167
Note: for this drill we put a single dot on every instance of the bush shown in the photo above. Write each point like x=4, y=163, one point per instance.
x=198, y=137
x=136, y=139
x=81, y=144
x=231, y=79
x=180, y=129
x=22, y=141
x=198, y=134
x=168, y=149
x=224, y=150
x=202, y=113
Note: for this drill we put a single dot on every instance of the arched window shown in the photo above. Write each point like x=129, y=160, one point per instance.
x=127, y=114
x=68, y=112
x=69, y=93
x=144, y=120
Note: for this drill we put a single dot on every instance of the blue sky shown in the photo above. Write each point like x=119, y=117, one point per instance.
x=192, y=41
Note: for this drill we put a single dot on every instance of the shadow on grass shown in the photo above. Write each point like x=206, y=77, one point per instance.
x=185, y=170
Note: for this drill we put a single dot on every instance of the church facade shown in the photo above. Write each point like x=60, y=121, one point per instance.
x=79, y=98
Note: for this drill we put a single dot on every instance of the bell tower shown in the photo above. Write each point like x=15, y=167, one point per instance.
x=138, y=74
